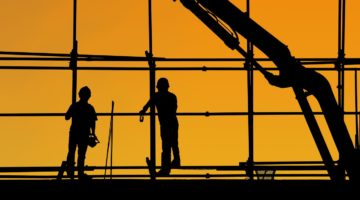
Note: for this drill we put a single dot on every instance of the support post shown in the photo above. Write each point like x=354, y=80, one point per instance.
x=250, y=86
x=152, y=67
x=356, y=114
x=341, y=53
x=73, y=56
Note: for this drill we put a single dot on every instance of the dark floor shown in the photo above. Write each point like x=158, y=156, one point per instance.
x=176, y=189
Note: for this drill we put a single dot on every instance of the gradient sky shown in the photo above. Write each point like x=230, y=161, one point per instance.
x=308, y=27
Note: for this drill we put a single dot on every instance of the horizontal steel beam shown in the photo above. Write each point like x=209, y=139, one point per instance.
x=206, y=114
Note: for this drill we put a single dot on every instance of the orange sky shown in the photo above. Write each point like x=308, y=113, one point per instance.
x=308, y=27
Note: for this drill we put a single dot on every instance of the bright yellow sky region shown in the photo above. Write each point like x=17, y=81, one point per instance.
x=113, y=27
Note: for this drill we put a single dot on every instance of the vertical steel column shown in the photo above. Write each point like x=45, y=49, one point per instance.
x=73, y=56
x=250, y=82
x=341, y=56
x=152, y=95
x=356, y=113
x=341, y=53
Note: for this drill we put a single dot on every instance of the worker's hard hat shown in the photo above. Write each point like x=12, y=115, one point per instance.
x=162, y=83
x=85, y=92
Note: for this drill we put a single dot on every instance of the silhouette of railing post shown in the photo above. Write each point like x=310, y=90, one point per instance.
x=110, y=145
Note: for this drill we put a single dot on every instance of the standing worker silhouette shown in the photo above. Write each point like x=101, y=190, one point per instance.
x=83, y=124
x=166, y=105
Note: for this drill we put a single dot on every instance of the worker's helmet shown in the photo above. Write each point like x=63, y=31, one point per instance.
x=162, y=84
x=85, y=93
x=93, y=140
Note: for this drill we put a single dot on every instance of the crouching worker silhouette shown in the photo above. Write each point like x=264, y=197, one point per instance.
x=166, y=105
x=83, y=117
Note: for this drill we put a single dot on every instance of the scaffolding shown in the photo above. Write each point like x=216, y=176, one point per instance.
x=250, y=166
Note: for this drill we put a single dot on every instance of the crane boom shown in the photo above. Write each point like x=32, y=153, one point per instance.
x=216, y=13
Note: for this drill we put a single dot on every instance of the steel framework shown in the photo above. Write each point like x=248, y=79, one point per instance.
x=340, y=64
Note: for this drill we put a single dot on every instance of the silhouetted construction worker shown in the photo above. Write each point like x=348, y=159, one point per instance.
x=166, y=105
x=83, y=124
